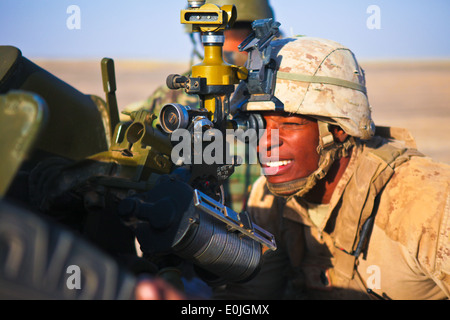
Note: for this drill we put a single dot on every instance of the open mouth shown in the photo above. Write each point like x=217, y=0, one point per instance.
x=273, y=164
x=275, y=167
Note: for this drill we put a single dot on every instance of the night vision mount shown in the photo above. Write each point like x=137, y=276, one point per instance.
x=261, y=68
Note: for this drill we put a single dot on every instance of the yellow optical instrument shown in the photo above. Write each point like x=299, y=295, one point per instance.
x=213, y=78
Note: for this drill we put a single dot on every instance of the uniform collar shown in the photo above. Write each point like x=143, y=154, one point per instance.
x=296, y=209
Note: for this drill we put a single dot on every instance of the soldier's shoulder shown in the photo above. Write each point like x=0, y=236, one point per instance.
x=418, y=188
x=421, y=175
x=259, y=191
x=414, y=210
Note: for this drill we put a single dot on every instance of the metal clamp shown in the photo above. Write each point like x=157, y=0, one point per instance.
x=240, y=222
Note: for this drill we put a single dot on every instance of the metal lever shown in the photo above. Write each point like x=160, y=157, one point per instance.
x=109, y=87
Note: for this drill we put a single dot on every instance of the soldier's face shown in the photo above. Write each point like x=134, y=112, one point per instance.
x=298, y=138
x=233, y=38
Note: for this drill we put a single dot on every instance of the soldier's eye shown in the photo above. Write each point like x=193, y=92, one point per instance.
x=291, y=125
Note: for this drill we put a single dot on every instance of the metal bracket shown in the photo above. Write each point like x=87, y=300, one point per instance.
x=260, y=67
x=235, y=221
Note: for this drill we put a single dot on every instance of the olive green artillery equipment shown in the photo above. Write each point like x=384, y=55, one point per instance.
x=83, y=167
x=79, y=127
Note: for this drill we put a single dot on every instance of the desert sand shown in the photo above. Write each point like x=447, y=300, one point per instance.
x=409, y=94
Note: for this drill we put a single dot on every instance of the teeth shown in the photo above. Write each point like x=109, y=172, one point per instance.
x=278, y=163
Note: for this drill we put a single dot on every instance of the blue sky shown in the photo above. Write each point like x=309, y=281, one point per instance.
x=150, y=29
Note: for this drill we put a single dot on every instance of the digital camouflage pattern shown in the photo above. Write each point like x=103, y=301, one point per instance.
x=322, y=253
x=305, y=65
x=407, y=256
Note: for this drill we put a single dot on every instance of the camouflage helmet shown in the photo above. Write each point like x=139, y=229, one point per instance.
x=248, y=10
x=319, y=78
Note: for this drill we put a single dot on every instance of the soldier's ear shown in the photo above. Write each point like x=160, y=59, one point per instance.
x=338, y=133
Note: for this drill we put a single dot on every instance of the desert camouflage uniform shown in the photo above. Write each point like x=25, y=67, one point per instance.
x=408, y=251
x=390, y=190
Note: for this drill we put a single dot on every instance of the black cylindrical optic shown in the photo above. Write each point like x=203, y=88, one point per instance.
x=252, y=125
x=174, y=116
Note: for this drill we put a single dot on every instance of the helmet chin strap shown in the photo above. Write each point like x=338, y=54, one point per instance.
x=329, y=151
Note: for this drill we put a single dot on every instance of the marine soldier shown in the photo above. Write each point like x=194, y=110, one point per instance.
x=356, y=210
